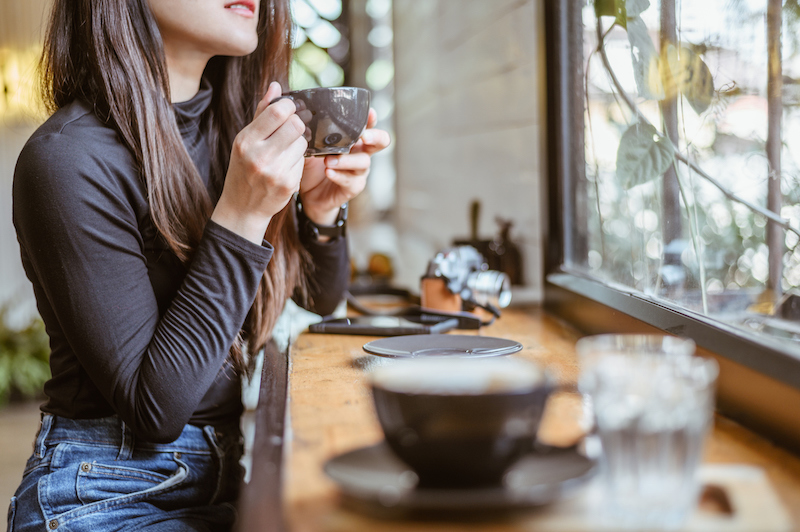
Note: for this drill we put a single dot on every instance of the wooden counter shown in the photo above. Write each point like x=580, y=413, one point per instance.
x=331, y=412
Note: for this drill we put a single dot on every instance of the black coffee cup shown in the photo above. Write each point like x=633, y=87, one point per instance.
x=460, y=422
x=334, y=117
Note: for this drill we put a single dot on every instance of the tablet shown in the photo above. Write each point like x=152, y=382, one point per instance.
x=384, y=325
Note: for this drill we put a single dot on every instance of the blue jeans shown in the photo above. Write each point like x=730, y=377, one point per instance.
x=92, y=475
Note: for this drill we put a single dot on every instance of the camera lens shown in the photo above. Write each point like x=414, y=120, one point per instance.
x=490, y=287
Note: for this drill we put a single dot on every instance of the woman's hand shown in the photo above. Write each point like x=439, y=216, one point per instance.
x=335, y=179
x=265, y=168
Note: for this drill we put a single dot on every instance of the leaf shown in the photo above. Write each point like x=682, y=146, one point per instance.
x=29, y=375
x=24, y=355
x=634, y=8
x=683, y=71
x=645, y=60
x=670, y=70
x=612, y=8
x=642, y=155
x=700, y=91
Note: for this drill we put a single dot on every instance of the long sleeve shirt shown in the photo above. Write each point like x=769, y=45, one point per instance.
x=133, y=331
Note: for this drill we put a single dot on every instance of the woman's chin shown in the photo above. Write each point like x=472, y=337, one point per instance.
x=244, y=53
x=238, y=47
x=248, y=48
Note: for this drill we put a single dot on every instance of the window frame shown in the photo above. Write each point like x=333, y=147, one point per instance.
x=594, y=307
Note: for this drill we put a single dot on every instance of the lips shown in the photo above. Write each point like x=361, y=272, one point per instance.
x=245, y=8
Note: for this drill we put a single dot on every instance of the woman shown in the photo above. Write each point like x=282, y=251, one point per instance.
x=156, y=220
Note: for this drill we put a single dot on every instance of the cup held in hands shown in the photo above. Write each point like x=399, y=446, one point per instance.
x=334, y=117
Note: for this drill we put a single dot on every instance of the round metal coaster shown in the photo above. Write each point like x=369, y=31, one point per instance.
x=441, y=345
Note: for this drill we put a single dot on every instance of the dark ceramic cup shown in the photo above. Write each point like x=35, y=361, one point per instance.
x=460, y=422
x=334, y=117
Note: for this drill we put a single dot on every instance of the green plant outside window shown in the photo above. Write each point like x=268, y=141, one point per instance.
x=692, y=115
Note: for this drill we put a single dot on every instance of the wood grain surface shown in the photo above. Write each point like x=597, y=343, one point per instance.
x=331, y=412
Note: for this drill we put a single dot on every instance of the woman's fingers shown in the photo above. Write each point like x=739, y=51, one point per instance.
x=347, y=179
x=372, y=118
x=273, y=92
x=349, y=183
x=287, y=133
x=351, y=161
x=266, y=167
x=372, y=141
x=375, y=139
x=329, y=182
x=270, y=119
x=292, y=155
x=349, y=169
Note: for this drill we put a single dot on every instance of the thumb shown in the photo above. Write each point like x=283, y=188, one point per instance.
x=273, y=91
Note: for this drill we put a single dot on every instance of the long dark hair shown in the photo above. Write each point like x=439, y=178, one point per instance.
x=109, y=53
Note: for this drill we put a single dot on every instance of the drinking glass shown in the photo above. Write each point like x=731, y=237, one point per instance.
x=652, y=404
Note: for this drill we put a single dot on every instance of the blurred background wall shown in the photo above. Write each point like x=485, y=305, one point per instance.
x=470, y=110
x=20, y=113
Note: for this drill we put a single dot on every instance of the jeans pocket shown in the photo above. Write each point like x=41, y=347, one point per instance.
x=88, y=480
x=97, y=482
x=12, y=511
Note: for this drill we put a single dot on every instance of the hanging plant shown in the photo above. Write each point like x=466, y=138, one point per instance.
x=683, y=72
x=643, y=155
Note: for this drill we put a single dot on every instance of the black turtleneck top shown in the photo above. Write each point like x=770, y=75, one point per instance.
x=133, y=331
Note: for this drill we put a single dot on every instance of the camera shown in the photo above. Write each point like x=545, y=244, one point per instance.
x=459, y=279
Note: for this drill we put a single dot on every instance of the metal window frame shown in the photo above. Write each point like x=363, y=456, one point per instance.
x=759, y=378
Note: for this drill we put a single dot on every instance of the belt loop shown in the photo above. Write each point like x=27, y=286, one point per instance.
x=128, y=442
x=41, y=436
x=213, y=441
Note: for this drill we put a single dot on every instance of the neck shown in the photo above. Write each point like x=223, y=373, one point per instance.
x=185, y=72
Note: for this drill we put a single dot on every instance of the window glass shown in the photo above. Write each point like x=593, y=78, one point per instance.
x=330, y=51
x=692, y=157
x=320, y=42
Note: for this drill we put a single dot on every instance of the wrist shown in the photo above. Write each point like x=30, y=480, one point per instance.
x=253, y=228
x=319, y=216
x=314, y=230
